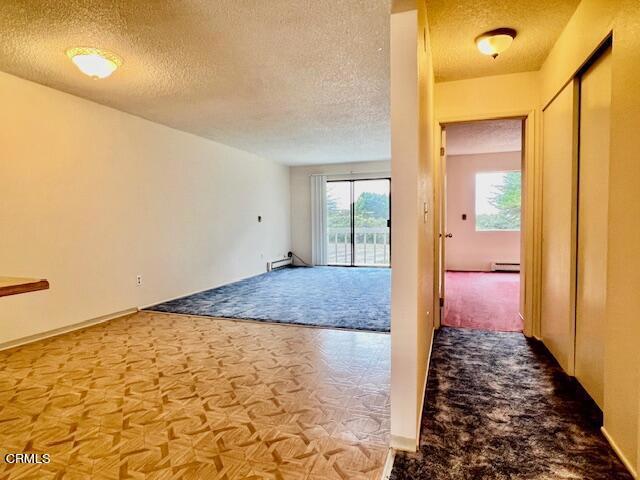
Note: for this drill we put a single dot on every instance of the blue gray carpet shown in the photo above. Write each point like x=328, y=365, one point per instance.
x=336, y=297
x=498, y=407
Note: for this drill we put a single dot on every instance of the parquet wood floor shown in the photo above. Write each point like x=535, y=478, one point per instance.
x=162, y=396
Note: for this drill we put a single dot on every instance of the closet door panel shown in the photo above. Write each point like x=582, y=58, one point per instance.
x=593, y=196
x=559, y=200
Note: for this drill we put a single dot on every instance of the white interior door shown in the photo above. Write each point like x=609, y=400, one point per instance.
x=593, y=194
x=559, y=212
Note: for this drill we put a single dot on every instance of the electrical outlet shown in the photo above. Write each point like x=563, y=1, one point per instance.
x=139, y=280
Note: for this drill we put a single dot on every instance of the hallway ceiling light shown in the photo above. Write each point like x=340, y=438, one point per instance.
x=495, y=42
x=94, y=62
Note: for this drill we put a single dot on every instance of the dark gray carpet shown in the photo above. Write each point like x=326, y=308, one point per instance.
x=499, y=407
x=336, y=297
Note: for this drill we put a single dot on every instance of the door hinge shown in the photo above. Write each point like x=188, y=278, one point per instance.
x=442, y=151
x=441, y=301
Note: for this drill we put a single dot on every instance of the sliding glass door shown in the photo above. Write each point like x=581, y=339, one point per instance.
x=372, y=222
x=339, y=223
x=359, y=223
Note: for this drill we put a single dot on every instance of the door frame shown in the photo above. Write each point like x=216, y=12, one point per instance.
x=531, y=211
x=353, y=223
x=442, y=224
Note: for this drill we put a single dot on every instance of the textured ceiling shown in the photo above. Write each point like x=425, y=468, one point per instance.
x=297, y=81
x=488, y=136
x=454, y=25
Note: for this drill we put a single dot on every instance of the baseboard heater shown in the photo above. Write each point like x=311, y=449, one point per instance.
x=276, y=264
x=505, y=267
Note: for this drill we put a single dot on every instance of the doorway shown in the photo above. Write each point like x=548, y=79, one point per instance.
x=359, y=222
x=482, y=220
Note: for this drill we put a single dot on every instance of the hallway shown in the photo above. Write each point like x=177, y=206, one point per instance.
x=483, y=300
x=499, y=407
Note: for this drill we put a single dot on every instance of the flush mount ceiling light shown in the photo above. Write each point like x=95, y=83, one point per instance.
x=94, y=62
x=495, y=42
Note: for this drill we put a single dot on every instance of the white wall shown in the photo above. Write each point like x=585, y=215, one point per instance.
x=90, y=197
x=487, y=97
x=469, y=249
x=412, y=279
x=622, y=363
x=301, y=196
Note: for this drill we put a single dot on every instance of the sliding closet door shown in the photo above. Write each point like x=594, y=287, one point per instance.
x=559, y=226
x=593, y=195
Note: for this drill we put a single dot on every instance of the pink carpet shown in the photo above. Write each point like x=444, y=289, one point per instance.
x=482, y=300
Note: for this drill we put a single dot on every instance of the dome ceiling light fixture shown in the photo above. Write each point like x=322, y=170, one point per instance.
x=94, y=62
x=496, y=41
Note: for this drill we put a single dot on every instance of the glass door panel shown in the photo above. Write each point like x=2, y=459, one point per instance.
x=339, y=223
x=371, y=221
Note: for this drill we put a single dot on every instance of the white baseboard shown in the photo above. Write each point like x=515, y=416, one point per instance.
x=406, y=444
x=619, y=453
x=198, y=291
x=69, y=328
x=525, y=330
x=388, y=464
x=143, y=307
